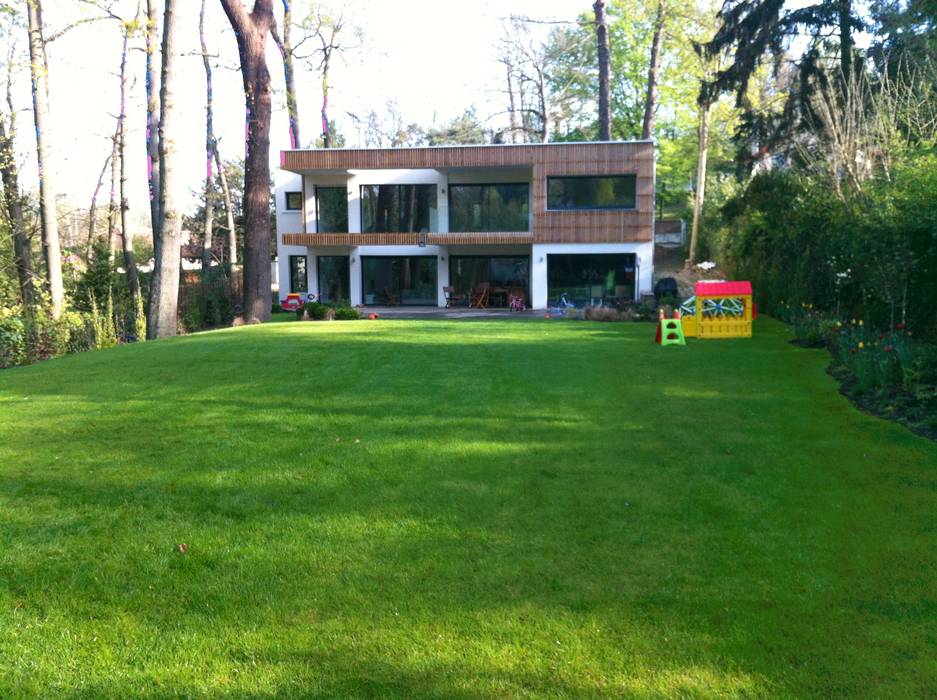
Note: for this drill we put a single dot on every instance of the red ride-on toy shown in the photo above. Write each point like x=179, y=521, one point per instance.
x=292, y=302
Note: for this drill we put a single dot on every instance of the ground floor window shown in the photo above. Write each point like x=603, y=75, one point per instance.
x=492, y=280
x=598, y=279
x=298, y=280
x=334, y=282
x=398, y=280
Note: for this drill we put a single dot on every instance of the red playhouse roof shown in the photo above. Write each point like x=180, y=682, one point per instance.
x=722, y=289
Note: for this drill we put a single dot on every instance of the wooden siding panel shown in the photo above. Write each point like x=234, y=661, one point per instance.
x=583, y=226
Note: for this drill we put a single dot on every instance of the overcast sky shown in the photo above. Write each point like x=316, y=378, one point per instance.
x=434, y=57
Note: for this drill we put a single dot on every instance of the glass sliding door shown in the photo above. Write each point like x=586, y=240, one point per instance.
x=398, y=280
x=298, y=281
x=333, y=274
x=591, y=279
x=505, y=275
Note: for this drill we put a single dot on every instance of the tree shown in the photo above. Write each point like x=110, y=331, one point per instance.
x=325, y=29
x=208, y=223
x=601, y=33
x=12, y=198
x=285, y=46
x=251, y=30
x=128, y=28
x=164, y=287
x=464, y=129
x=152, y=118
x=650, y=103
x=39, y=74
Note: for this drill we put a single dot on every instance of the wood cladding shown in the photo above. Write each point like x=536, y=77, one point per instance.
x=544, y=160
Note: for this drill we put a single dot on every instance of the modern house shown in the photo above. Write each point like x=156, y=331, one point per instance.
x=453, y=224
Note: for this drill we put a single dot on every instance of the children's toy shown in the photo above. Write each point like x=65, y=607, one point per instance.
x=516, y=303
x=669, y=330
x=719, y=310
x=292, y=302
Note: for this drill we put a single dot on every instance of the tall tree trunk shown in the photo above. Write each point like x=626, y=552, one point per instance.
x=13, y=206
x=251, y=30
x=152, y=118
x=228, y=208
x=845, y=37
x=208, y=232
x=112, y=207
x=700, y=194
x=650, y=102
x=512, y=109
x=544, y=111
x=285, y=45
x=326, y=135
x=130, y=263
x=39, y=74
x=93, y=209
x=601, y=34
x=164, y=288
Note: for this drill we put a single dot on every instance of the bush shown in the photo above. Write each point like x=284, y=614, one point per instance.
x=602, y=313
x=12, y=341
x=315, y=311
x=346, y=313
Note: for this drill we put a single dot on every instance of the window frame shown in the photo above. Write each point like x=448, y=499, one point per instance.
x=633, y=176
x=286, y=200
x=305, y=274
x=344, y=189
x=488, y=184
x=361, y=204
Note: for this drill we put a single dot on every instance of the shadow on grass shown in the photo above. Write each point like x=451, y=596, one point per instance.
x=400, y=512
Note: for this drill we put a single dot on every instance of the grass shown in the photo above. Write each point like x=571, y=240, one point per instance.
x=459, y=509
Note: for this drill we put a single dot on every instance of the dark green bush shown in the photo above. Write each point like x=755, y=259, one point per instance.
x=12, y=341
x=316, y=311
x=346, y=313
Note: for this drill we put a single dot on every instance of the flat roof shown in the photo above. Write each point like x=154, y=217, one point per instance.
x=465, y=145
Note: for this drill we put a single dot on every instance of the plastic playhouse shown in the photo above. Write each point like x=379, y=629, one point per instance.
x=719, y=310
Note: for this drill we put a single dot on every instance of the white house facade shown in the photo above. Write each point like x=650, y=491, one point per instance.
x=468, y=225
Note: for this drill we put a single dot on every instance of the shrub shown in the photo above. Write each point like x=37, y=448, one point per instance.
x=315, y=311
x=12, y=340
x=602, y=313
x=346, y=313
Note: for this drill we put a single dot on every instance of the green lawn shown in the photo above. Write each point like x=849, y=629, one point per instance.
x=459, y=509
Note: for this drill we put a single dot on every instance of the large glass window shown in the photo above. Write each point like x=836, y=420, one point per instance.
x=298, y=280
x=392, y=281
x=332, y=205
x=489, y=207
x=505, y=276
x=398, y=208
x=333, y=278
x=591, y=279
x=592, y=192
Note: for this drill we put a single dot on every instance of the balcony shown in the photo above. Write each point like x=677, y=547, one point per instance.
x=435, y=238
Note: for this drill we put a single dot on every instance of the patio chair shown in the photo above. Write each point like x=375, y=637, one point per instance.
x=452, y=299
x=480, y=295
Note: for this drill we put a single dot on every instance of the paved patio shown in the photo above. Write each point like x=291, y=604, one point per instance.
x=418, y=312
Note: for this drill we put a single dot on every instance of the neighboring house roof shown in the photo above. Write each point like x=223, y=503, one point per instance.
x=722, y=289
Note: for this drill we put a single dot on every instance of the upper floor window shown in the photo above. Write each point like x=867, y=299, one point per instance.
x=489, y=207
x=592, y=192
x=332, y=205
x=294, y=201
x=398, y=208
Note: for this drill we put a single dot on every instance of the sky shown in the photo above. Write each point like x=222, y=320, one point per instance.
x=433, y=57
